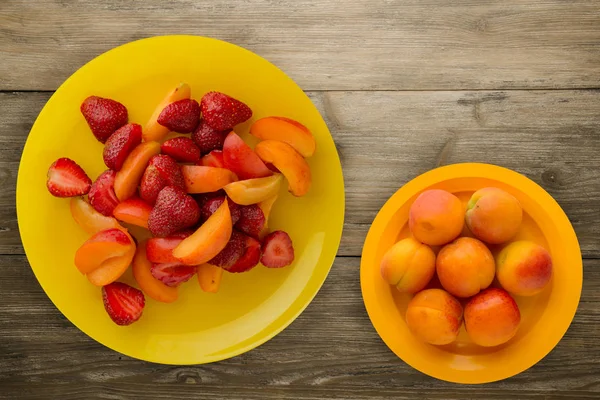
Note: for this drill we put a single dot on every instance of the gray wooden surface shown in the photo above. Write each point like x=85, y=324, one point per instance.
x=404, y=86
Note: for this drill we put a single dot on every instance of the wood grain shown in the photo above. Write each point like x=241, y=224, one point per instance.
x=387, y=138
x=330, y=351
x=325, y=44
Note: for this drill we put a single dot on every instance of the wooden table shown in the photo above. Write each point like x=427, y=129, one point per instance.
x=404, y=86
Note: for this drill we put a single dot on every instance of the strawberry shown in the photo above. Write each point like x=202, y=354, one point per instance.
x=161, y=171
x=210, y=205
x=232, y=252
x=172, y=274
x=223, y=112
x=207, y=138
x=123, y=303
x=213, y=159
x=252, y=220
x=174, y=210
x=278, y=250
x=102, y=195
x=67, y=179
x=182, y=149
x=119, y=145
x=251, y=256
x=104, y=116
x=181, y=116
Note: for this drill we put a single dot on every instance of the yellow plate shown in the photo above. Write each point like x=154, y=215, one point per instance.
x=250, y=308
x=545, y=317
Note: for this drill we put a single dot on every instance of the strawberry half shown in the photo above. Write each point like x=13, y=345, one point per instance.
x=278, y=250
x=104, y=116
x=252, y=220
x=207, y=138
x=213, y=159
x=181, y=116
x=251, y=256
x=162, y=171
x=172, y=274
x=102, y=194
x=182, y=149
x=174, y=210
x=123, y=303
x=67, y=179
x=119, y=145
x=210, y=205
x=223, y=112
x=233, y=251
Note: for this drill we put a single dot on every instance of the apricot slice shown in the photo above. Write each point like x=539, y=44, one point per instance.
x=201, y=179
x=208, y=240
x=147, y=282
x=242, y=160
x=209, y=277
x=285, y=130
x=252, y=191
x=89, y=219
x=134, y=211
x=287, y=160
x=153, y=131
x=100, y=247
x=112, y=268
x=266, y=206
x=129, y=176
x=159, y=250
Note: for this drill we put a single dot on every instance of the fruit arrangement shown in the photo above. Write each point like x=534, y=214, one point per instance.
x=479, y=267
x=201, y=194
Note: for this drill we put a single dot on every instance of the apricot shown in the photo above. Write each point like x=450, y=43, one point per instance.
x=201, y=179
x=285, y=130
x=434, y=316
x=111, y=265
x=493, y=215
x=465, y=267
x=436, y=217
x=252, y=191
x=100, y=247
x=151, y=286
x=209, y=277
x=266, y=206
x=524, y=268
x=242, y=160
x=408, y=265
x=153, y=131
x=133, y=211
x=287, y=160
x=492, y=317
x=128, y=177
x=89, y=219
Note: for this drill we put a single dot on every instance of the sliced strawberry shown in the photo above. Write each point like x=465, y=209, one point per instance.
x=252, y=220
x=160, y=250
x=213, y=159
x=174, y=210
x=162, y=171
x=181, y=116
x=182, y=149
x=67, y=179
x=210, y=205
x=235, y=249
x=172, y=274
x=102, y=194
x=278, y=250
x=251, y=256
x=123, y=303
x=223, y=112
x=104, y=116
x=119, y=145
x=207, y=138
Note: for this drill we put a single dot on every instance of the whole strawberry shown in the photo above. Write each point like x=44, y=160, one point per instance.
x=181, y=116
x=161, y=171
x=207, y=138
x=223, y=112
x=104, y=116
x=119, y=145
x=174, y=210
x=182, y=149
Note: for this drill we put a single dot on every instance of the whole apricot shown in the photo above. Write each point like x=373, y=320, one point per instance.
x=408, y=265
x=434, y=316
x=436, y=217
x=524, y=268
x=493, y=215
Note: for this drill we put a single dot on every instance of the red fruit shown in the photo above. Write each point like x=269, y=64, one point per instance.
x=172, y=274
x=181, y=116
x=251, y=256
x=213, y=159
x=119, y=145
x=208, y=138
x=123, y=303
x=102, y=194
x=242, y=160
x=160, y=250
x=278, y=250
x=252, y=220
x=182, y=149
x=209, y=206
x=104, y=116
x=235, y=249
x=174, y=210
x=223, y=112
x=67, y=179
x=162, y=171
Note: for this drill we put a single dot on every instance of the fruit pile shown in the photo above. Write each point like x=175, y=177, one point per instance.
x=465, y=267
x=204, y=198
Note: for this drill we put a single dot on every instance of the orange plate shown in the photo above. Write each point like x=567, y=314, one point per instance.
x=545, y=318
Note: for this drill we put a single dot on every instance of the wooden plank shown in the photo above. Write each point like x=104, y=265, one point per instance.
x=330, y=351
x=323, y=44
x=387, y=138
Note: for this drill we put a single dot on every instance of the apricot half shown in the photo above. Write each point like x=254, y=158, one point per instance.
x=285, y=130
x=89, y=219
x=201, y=179
x=287, y=160
x=252, y=191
